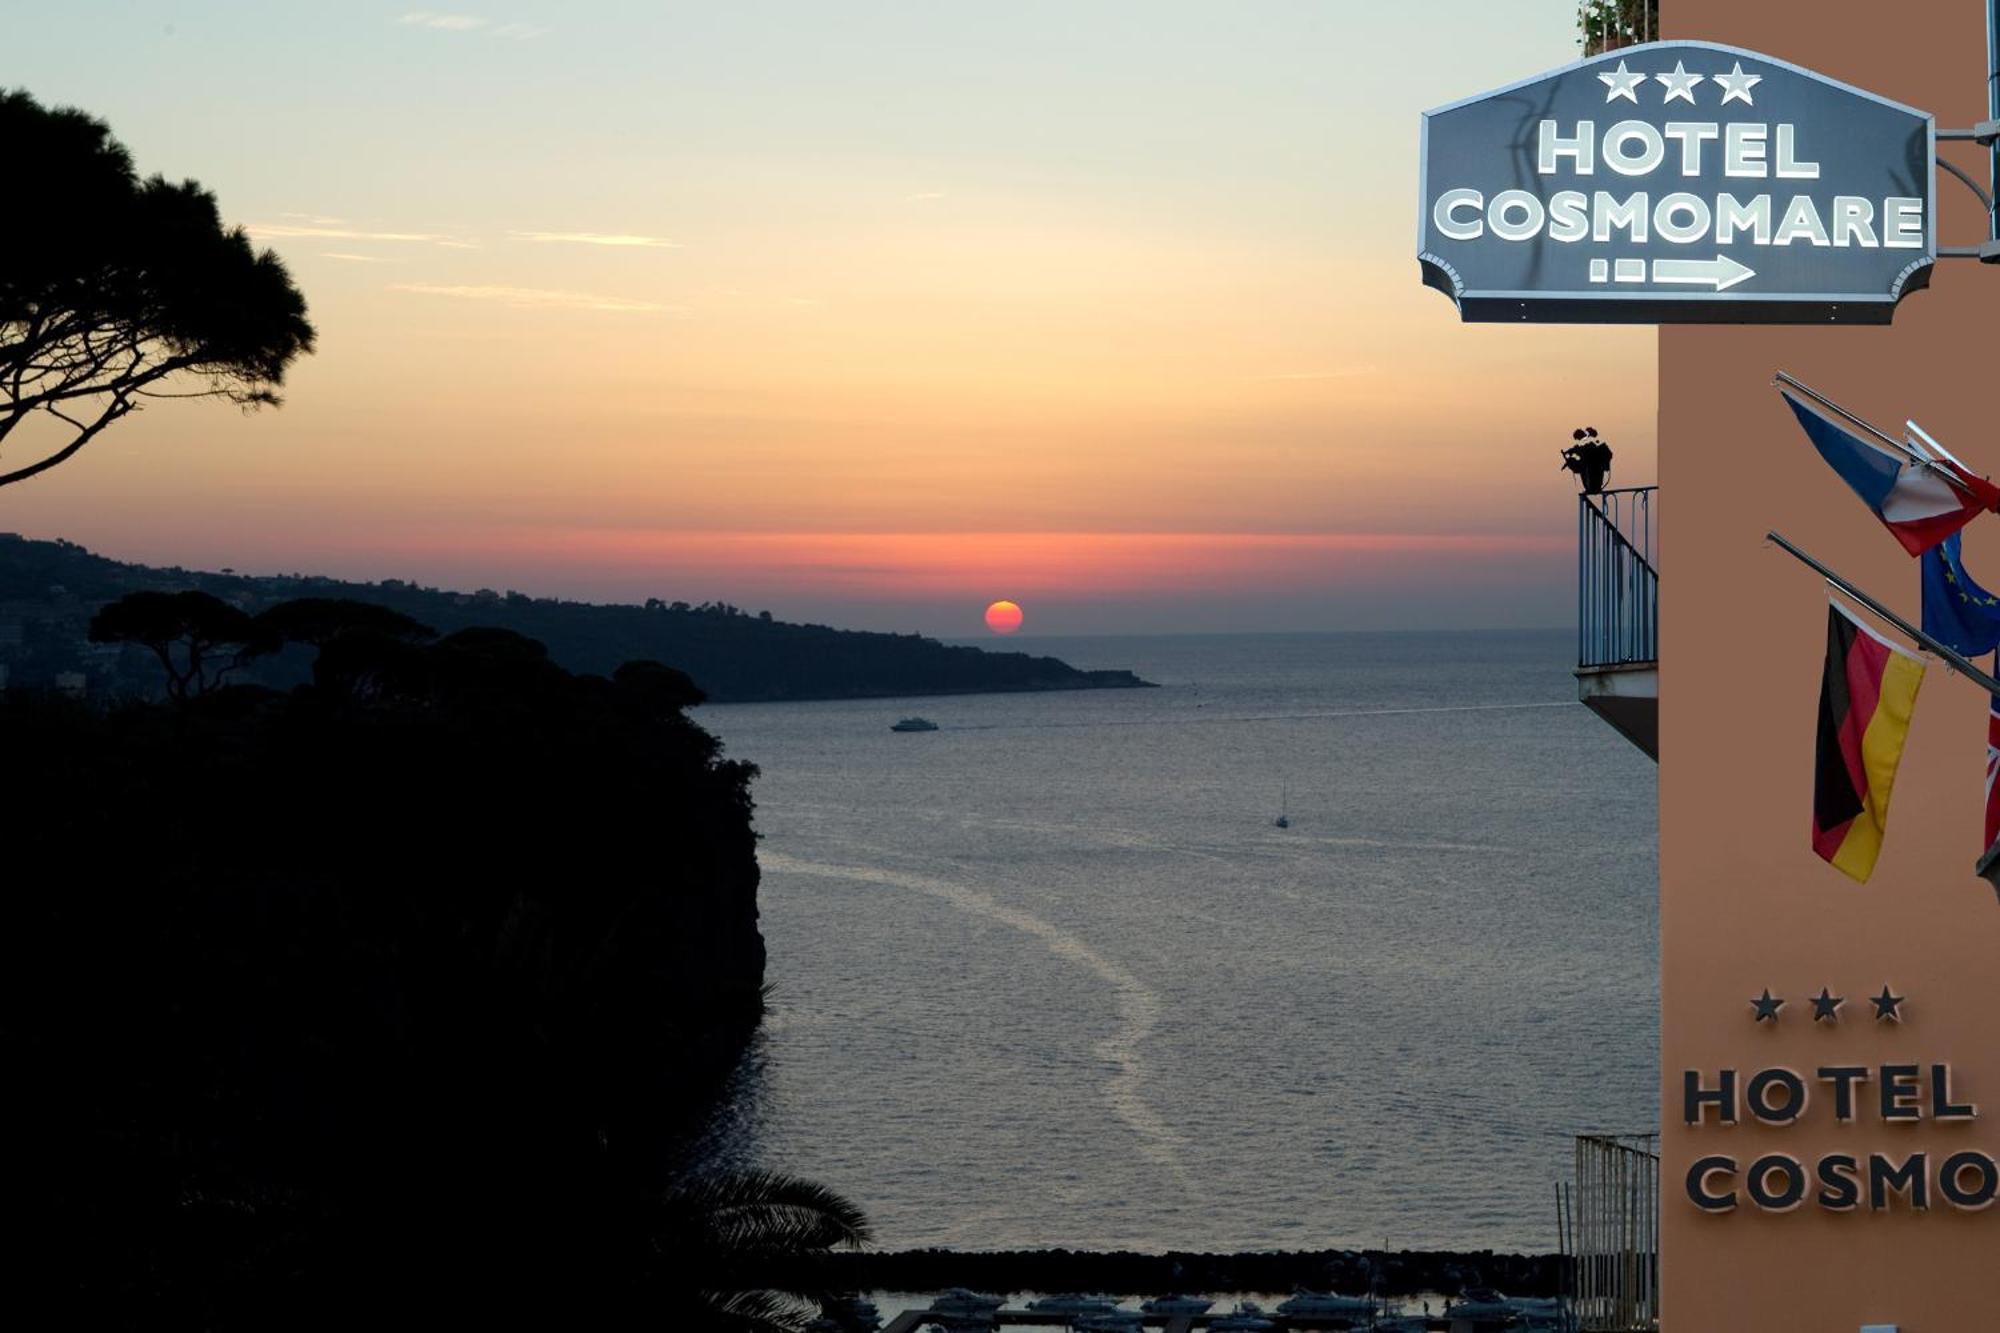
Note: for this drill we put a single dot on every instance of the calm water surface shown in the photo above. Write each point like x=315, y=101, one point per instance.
x=1049, y=976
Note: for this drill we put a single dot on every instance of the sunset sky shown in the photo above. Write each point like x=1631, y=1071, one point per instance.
x=868, y=313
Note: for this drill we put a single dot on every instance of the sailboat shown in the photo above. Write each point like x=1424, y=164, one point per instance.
x=1284, y=819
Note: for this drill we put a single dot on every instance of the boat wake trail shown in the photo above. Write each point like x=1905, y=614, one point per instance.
x=1137, y=1006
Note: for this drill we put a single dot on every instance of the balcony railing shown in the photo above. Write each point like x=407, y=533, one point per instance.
x=1617, y=578
x=1609, y=1222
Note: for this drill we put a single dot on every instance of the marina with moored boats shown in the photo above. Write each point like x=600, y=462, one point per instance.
x=1478, y=1310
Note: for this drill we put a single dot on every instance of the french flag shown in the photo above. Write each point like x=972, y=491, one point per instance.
x=1921, y=497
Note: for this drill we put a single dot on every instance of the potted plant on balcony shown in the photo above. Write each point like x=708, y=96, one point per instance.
x=1607, y=25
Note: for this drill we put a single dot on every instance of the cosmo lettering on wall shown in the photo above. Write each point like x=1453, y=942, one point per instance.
x=1677, y=182
x=1910, y=1168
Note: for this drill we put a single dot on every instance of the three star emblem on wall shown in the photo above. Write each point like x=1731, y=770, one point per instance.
x=1625, y=83
x=1826, y=1006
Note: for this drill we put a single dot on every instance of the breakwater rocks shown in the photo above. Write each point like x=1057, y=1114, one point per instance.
x=1386, y=1272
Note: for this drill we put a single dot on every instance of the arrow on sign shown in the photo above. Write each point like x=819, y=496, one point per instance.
x=1722, y=271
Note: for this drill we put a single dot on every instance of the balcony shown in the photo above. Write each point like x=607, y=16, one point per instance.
x=1608, y=1219
x=1618, y=612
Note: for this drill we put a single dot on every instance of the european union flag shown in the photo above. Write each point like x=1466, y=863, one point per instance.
x=1958, y=612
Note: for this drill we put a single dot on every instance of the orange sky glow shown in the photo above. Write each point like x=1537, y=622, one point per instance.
x=627, y=306
x=1063, y=565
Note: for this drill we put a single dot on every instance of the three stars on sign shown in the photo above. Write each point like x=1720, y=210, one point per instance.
x=1625, y=83
x=1826, y=1006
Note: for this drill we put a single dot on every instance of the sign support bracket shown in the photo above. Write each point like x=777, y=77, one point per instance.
x=1987, y=135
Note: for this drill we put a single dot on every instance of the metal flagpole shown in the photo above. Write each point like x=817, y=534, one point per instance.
x=1952, y=659
x=1785, y=377
x=1929, y=465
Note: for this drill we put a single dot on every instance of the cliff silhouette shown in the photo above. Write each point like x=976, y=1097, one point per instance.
x=49, y=590
x=395, y=997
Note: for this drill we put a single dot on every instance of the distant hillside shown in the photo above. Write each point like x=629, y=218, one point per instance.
x=49, y=590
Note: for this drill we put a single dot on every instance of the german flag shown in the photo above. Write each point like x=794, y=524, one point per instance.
x=1865, y=701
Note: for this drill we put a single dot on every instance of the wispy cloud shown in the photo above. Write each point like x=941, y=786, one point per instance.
x=317, y=227
x=539, y=298
x=440, y=21
x=1340, y=373
x=616, y=239
x=352, y=258
x=924, y=194
x=288, y=230
x=431, y=18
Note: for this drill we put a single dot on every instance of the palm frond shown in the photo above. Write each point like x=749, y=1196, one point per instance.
x=753, y=1312
x=767, y=1212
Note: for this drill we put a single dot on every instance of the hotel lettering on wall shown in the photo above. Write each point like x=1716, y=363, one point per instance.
x=1917, y=1149
x=1678, y=182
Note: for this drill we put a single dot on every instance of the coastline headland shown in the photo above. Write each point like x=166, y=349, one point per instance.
x=50, y=589
x=1384, y=1272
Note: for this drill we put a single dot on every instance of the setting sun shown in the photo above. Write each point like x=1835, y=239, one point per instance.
x=1003, y=617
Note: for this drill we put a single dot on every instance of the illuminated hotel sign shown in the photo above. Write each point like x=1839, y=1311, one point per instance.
x=1677, y=182
x=1894, y=1174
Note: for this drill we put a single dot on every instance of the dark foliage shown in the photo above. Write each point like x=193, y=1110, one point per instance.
x=319, y=620
x=197, y=638
x=743, y=1236
x=667, y=687
x=115, y=290
x=352, y=1007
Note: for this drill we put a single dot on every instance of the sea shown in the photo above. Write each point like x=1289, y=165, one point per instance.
x=1050, y=976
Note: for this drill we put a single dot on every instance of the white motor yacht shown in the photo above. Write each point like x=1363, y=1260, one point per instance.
x=1325, y=1305
x=962, y=1302
x=1073, y=1304
x=1486, y=1304
x=1174, y=1304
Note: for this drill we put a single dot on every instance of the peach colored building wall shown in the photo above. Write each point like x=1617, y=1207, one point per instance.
x=1744, y=904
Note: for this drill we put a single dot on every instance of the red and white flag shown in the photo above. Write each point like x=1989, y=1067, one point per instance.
x=1982, y=491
